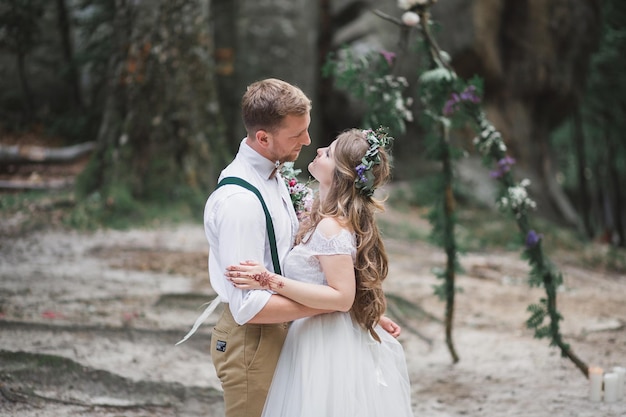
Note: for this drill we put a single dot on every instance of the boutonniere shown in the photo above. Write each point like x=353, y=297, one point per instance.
x=301, y=194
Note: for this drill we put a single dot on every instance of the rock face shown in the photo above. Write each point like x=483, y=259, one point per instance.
x=262, y=39
x=533, y=56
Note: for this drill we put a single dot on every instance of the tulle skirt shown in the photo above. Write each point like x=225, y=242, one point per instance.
x=330, y=367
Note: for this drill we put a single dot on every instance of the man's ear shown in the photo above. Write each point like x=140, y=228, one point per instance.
x=262, y=137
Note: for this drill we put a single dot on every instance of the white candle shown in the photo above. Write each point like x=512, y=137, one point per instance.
x=595, y=384
x=610, y=387
x=621, y=374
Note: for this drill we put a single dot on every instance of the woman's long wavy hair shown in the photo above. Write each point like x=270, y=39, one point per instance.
x=356, y=211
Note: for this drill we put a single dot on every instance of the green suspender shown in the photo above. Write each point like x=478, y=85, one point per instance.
x=268, y=219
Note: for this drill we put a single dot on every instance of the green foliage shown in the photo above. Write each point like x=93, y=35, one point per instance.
x=402, y=230
x=424, y=190
x=74, y=126
x=19, y=24
x=543, y=273
x=441, y=94
x=123, y=212
x=113, y=204
x=369, y=79
x=86, y=215
x=595, y=140
x=606, y=97
x=538, y=314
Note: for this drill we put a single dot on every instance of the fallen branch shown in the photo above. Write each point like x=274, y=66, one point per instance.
x=15, y=154
x=57, y=184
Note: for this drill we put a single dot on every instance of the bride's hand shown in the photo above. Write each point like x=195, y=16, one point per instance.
x=390, y=326
x=248, y=275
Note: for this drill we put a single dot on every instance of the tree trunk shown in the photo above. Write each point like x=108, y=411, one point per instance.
x=161, y=130
x=224, y=18
x=68, y=53
x=613, y=174
x=26, y=91
x=549, y=193
x=262, y=39
x=583, y=186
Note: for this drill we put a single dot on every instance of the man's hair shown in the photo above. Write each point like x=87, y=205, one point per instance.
x=267, y=102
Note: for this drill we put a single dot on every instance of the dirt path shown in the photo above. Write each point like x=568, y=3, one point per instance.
x=88, y=324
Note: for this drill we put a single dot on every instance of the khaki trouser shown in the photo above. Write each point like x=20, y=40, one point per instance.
x=245, y=357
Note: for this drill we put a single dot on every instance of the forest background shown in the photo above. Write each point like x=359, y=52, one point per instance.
x=157, y=86
x=122, y=113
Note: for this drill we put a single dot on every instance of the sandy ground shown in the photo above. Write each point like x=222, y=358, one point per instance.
x=88, y=323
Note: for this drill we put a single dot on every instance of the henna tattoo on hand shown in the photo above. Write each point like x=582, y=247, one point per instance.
x=263, y=279
x=266, y=280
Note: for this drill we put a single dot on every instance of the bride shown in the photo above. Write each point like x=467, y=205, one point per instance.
x=342, y=363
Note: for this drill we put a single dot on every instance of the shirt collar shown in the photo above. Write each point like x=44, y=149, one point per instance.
x=259, y=163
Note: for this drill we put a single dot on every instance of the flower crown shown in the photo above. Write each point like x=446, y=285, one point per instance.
x=364, y=181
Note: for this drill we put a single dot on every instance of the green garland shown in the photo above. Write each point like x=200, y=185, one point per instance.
x=513, y=198
x=545, y=317
x=449, y=102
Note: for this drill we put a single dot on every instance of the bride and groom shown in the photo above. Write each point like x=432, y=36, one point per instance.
x=303, y=332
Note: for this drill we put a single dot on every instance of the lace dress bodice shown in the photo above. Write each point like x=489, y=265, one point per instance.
x=302, y=263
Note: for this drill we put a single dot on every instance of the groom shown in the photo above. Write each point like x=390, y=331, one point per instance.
x=247, y=339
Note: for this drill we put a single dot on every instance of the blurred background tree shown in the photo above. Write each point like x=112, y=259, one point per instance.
x=593, y=157
x=19, y=34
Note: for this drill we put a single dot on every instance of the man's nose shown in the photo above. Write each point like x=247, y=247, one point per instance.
x=307, y=139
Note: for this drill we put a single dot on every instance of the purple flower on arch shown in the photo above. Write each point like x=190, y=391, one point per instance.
x=469, y=94
x=452, y=105
x=503, y=166
x=532, y=239
x=389, y=56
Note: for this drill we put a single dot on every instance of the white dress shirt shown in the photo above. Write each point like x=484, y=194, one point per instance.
x=235, y=227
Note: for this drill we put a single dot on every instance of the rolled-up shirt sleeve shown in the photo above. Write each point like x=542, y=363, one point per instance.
x=237, y=222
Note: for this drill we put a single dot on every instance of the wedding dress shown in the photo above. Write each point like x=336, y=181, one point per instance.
x=329, y=365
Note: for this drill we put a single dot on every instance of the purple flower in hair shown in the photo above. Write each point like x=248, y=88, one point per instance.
x=360, y=171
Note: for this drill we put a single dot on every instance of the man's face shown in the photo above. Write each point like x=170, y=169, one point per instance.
x=287, y=141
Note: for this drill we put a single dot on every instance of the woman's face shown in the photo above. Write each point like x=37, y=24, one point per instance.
x=323, y=165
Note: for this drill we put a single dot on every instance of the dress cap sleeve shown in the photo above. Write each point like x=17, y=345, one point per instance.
x=342, y=243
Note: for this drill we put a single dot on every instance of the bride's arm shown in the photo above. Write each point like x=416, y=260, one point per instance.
x=338, y=295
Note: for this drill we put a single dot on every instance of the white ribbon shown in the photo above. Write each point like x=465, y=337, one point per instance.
x=205, y=314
